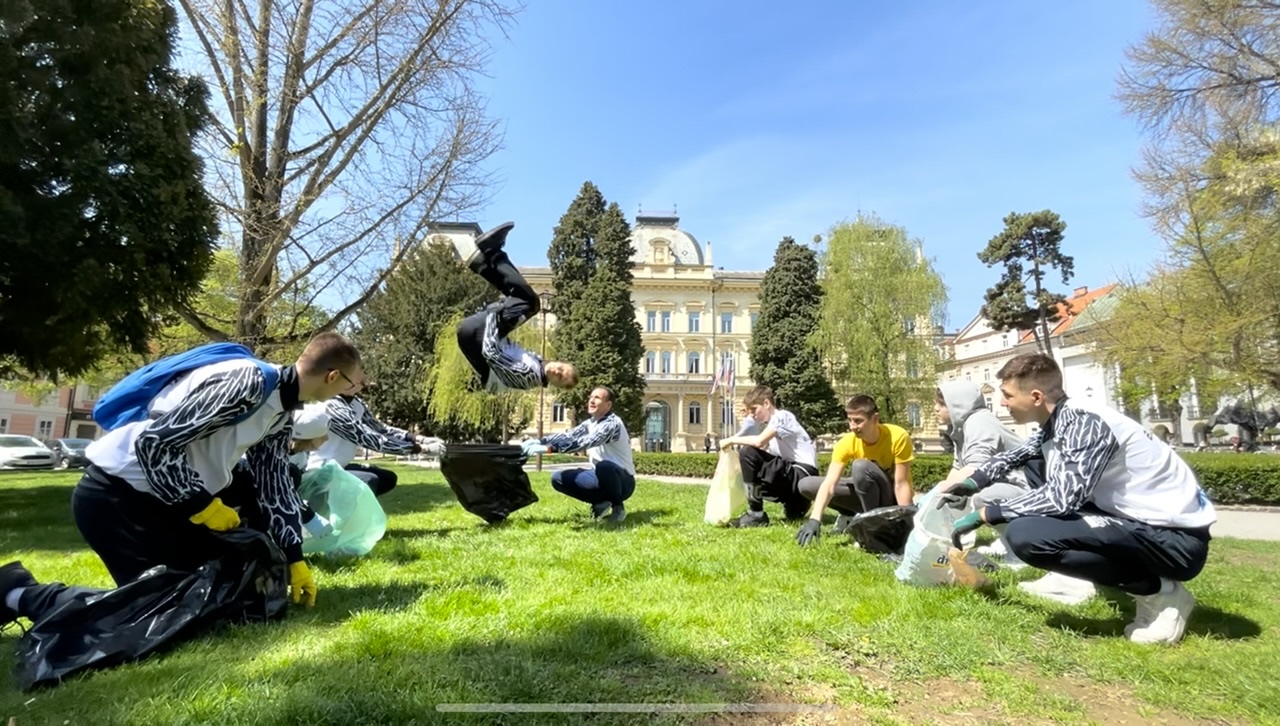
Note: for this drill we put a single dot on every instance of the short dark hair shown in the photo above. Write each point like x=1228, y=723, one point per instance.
x=608, y=392
x=1033, y=370
x=759, y=395
x=862, y=403
x=328, y=352
x=938, y=397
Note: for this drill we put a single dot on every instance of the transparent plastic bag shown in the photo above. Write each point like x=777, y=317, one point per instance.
x=727, y=494
x=925, y=559
x=346, y=503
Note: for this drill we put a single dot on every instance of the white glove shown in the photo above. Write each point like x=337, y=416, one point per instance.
x=430, y=445
x=533, y=447
x=318, y=527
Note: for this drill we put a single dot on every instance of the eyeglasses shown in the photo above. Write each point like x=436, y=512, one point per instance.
x=351, y=383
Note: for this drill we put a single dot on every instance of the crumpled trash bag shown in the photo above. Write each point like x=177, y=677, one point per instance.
x=161, y=608
x=346, y=503
x=488, y=479
x=883, y=530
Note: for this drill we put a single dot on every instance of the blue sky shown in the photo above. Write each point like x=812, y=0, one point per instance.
x=941, y=117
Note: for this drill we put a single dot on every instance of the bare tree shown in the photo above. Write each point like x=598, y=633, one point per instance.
x=343, y=128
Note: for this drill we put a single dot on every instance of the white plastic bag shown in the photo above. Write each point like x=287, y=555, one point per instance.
x=727, y=493
x=924, y=560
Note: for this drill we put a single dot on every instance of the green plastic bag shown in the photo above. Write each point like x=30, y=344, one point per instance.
x=349, y=505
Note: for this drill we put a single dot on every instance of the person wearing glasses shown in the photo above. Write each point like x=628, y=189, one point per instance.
x=152, y=492
x=499, y=363
x=352, y=426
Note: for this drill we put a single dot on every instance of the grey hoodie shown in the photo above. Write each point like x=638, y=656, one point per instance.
x=976, y=432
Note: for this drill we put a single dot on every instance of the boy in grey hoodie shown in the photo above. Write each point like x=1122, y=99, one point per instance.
x=977, y=435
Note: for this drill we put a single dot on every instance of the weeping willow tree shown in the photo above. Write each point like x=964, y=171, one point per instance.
x=454, y=404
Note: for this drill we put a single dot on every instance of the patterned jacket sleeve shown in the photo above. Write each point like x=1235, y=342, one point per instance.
x=513, y=366
x=999, y=465
x=377, y=426
x=582, y=437
x=161, y=448
x=277, y=495
x=1086, y=445
x=346, y=424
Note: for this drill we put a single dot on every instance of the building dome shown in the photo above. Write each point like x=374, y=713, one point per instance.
x=658, y=240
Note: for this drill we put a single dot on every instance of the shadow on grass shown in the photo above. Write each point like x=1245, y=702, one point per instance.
x=1206, y=620
x=583, y=521
x=416, y=497
x=38, y=518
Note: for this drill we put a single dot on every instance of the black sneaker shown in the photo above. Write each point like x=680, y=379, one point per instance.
x=12, y=575
x=495, y=239
x=599, y=509
x=751, y=519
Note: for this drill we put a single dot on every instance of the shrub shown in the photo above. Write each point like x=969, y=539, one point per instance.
x=1228, y=478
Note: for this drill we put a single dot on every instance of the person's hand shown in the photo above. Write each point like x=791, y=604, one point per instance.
x=726, y=444
x=533, y=447
x=809, y=532
x=956, y=494
x=965, y=525
x=318, y=527
x=217, y=517
x=430, y=445
x=302, y=586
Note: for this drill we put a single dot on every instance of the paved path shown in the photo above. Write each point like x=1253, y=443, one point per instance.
x=1260, y=523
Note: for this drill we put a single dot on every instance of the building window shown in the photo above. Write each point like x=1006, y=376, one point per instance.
x=666, y=361
x=695, y=322
x=909, y=326
x=651, y=322
x=695, y=362
x=44, y=429
x=968, y=376
x=695, y=413
x=987, y=400
x=726, y=322
x=986, y=374
x=1004, y=339
x=650, y=362
x=4, y=425
x=666, y=321
x=726, y=360
x=913, y=415
x=913, y=368
x=557, y=412
x=755, y=318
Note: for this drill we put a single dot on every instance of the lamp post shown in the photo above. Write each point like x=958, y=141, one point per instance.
x=546, y=298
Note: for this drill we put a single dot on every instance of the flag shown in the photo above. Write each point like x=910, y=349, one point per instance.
x=715, y=381
x=731, y=379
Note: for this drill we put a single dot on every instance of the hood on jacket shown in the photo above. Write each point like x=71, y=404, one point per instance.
x=962, y=399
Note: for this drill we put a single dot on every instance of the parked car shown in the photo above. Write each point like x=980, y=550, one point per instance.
x=68, y=452
x=24, y=452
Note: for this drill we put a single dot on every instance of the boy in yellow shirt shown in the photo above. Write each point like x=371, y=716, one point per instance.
x=881, y=455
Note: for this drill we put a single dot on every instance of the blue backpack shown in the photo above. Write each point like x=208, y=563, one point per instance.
x=128, y=400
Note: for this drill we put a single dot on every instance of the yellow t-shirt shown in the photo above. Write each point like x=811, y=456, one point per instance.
x=893, y=447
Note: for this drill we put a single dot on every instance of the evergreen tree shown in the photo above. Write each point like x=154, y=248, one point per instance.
x=397, y=331
x=1033, y=239
x=605, y=323
x=104, y=223
x=782, y=356
x=572, y=259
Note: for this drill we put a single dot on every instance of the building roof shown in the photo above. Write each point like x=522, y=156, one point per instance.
x=1072, y=310
x=455, y=227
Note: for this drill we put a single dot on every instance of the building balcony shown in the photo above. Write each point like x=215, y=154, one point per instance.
x=1159, y=414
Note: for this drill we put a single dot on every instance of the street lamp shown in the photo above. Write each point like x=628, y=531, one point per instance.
x=546, y=298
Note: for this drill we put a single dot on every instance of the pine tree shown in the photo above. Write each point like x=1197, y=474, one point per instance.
x=572, y=259
x=782, y=356
x=104, y=221
x=605, y=323
x=1034, y=239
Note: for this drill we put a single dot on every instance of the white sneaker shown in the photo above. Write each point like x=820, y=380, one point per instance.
x=998, y=553
x=1167, y=610
x=1060, y=588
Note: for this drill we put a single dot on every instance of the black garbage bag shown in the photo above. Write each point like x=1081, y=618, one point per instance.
x=488, y=479
x=161, y=608
x=883, y=530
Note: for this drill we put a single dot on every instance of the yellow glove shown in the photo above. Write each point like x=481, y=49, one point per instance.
x=302, y=584
x=217, y=516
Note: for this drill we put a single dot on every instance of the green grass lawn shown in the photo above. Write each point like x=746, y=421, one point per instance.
x=551, y=608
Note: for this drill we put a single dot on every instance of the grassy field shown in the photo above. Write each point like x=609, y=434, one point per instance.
x=552, y=608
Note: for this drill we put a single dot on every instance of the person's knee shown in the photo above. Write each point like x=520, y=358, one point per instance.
x=809, y=486
x=864, y=474
x=557, y=480
x=388, y=479
x=1022, y=537
x=750, y=458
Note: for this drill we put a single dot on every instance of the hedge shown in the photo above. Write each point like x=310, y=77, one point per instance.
x=1227, y=478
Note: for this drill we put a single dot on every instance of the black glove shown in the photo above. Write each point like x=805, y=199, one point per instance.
x=809, y=532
